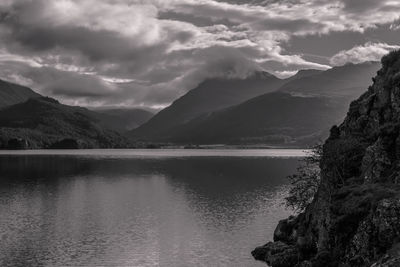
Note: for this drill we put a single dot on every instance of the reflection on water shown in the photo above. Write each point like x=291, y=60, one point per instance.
x=95, y=211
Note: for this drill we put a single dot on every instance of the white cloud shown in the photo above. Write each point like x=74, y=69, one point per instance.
x=285, y=73
x=162, y=50
x=358, y=54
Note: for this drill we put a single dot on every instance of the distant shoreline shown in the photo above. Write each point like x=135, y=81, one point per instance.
x=172, y=146
x=177, y=152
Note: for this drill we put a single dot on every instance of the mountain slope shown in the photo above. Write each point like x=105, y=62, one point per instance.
x=122, y=120
x=11, y=94
x=307, y=104
x=304, y=73
x=274, y=118
x=349, y=80
x=209, y=96
x=43, y=122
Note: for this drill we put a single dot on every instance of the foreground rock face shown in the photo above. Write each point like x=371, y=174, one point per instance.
x=354, y=219
x=277, y=254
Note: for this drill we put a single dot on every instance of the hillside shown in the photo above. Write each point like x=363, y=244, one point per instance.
x=303, y=74
x=300, y=114
x=275, y=118
x=122, y=120
x=354, y=218
x=11, y=94
x=209, y=96
x=349, y=80
x=44, y=122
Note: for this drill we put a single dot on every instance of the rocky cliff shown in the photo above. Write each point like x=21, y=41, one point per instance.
x=354, y=219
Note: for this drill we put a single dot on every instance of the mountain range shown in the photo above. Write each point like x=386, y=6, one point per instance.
x=122, y=119
x=29, y=120
x=43, y=122
x=350, y=80
x=276, y=118
x=208, y=96
x=259, y=109
x=294, y=111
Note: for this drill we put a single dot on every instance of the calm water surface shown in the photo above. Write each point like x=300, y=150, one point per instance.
x=140, y=207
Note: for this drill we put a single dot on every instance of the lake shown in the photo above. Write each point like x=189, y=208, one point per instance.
x=140, y=207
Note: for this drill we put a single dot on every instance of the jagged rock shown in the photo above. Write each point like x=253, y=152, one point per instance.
x=375, y=162
x=376, y=233
x=354, y=219
x=285, y=231
x=304, y=264
x=391, y=259
x=277, y=254
x=388, y=262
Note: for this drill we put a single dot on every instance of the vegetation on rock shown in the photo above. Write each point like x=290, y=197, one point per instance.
x=45, y=123
x=354, y=218
x=304, y=183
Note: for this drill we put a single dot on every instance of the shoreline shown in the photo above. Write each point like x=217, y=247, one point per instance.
x=281, y=153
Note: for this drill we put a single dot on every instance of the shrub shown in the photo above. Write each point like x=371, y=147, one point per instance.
x=304, y=184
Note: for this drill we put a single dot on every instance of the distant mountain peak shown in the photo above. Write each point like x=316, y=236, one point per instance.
x=262, y=75
x=304, y=73
x=307, y=71
x=348, y=80
x=255, y=75
x=370, y=62
x=209, y=96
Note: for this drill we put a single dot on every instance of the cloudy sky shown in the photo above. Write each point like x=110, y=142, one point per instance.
x=148, y=52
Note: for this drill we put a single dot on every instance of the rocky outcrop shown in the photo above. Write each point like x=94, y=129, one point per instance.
x=277, y=254
x=354, y=219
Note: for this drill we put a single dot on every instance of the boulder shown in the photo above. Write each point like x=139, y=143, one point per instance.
x=277, y=254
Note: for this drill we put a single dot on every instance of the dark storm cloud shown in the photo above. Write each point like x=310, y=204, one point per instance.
x=95, y=45
x=70, y=84
x=320, y=48
x=294, y=25
x=361, y=5
x=50, y=81
x=38, y=35
x=133, y=52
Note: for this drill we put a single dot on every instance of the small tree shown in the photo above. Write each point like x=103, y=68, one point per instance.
x=304, y=184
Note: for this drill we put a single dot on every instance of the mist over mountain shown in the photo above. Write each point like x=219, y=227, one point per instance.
x=350, y=80
x=299, y=113
x=304, y=73
x=259, y=109
x=208, y=96
x=178, y=133
x=353, y=216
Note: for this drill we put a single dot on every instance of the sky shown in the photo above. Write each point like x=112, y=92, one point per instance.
x=147, y=53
